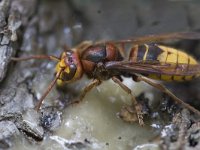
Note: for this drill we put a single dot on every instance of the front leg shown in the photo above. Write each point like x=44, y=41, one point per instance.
x=87, y=89
x=127, y=113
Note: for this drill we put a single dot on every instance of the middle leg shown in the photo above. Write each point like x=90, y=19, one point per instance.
x=127, y=110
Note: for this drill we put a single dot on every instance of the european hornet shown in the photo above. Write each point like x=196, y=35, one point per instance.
x=133, y=58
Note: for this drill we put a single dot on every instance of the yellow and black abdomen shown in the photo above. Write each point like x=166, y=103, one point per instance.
x=179, y=63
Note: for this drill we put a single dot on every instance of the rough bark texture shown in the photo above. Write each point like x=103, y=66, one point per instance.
x=14, y=15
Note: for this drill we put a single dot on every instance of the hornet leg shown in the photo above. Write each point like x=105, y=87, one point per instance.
x=166, y=91
x=128, y=113
x=87, y=89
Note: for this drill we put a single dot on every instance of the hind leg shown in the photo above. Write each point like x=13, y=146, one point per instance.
x=166, y=91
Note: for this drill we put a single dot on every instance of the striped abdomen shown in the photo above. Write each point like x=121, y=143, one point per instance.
x=153, y=53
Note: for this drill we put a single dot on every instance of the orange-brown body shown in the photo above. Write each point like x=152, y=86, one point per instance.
x=165, y=63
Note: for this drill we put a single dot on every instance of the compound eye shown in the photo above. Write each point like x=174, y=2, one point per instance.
x=68, y=76
x=71, y=67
